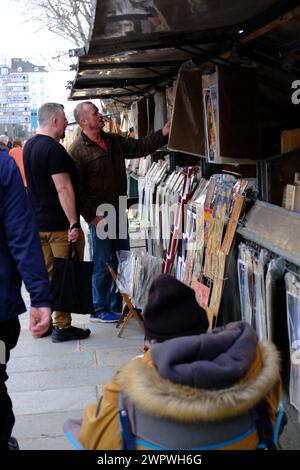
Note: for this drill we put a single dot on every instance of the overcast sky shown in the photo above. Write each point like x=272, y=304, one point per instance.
x=22, y=38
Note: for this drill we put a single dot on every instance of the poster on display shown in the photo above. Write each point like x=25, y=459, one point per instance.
x=210, y=136
x=245, y=289
x=293, y=315
x=215, y=115
x=202, y=292
x=210, y=103
x=259, y=300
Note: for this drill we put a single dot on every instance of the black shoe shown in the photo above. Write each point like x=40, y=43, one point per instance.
x=68, y=334
x=13, y=444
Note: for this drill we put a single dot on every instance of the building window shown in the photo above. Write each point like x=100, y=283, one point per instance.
x=20, y=69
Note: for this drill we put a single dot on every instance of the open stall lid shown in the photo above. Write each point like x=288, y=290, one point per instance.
x=138, y=46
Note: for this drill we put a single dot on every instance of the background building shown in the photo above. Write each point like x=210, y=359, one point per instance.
x=23, y=88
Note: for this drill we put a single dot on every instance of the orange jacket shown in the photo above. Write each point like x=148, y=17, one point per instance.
x=17, y=154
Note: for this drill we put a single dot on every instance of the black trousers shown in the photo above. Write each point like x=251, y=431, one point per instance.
x=9, y=334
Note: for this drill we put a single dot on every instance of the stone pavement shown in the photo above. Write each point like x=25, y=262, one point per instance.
x=50, y=382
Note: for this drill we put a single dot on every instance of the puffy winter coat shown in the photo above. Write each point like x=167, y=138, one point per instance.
x=195, y=392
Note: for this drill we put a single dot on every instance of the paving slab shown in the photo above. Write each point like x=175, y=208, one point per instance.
x=28, y=346
x=55, y=361
x=51, y=401
x=59, y=379
x=116, y=358
x=104, y=336
x=56, y=443
x=45, y=425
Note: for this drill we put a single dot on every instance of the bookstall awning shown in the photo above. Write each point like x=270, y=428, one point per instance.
x=137, y=46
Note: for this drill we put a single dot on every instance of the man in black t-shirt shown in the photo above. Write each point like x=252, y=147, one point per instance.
x=51, y=184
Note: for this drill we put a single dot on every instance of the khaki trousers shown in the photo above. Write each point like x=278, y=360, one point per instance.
x=55, y=244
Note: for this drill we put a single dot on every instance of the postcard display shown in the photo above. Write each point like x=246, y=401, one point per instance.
x=191, y=224
x=212, y=216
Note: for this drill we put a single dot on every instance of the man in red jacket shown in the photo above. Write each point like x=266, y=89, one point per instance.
x=100, y=161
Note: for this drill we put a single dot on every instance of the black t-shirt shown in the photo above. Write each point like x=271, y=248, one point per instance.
x=43, y=157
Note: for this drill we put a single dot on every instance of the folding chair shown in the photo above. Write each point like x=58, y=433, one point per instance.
x=128, y=311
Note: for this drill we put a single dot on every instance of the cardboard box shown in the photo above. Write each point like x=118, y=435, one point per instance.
x=296, y=206
x=291, y=197
x=297, y=178
x=290, y=140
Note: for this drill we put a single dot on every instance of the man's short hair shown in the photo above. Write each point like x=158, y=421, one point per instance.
x=79, y=110
x=4, y=139
x=48, y=111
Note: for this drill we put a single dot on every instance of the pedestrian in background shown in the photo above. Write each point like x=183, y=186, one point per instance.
x=17, y=153
x=3, y=144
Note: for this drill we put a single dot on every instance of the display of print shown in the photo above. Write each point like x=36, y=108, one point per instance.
x=293, y=314
x=210, y=125
x=245, y=279
x=201, y=291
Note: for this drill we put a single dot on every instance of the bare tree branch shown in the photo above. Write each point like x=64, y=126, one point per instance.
x=70, y=19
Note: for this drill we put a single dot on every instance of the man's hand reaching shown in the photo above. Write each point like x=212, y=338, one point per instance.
x=166, y=128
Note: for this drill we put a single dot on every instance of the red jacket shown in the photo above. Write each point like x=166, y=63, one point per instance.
x=102, y=175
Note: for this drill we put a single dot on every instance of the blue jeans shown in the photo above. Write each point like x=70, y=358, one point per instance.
x=105, y=297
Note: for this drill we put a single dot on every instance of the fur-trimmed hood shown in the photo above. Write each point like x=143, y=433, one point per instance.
x=211, y=361
x=158, y=396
